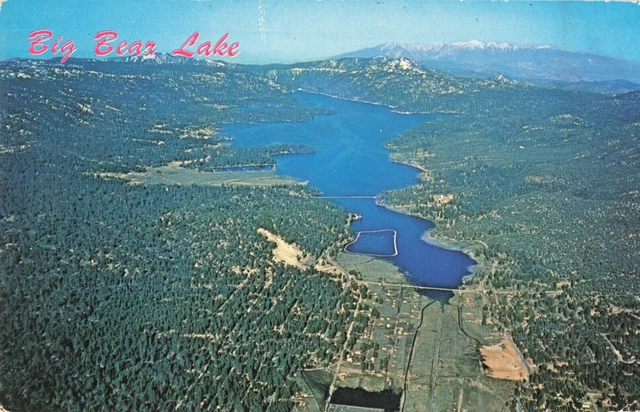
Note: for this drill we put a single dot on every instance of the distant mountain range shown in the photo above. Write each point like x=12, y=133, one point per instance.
x=541, y=65
x=166, y=58
x=500, y=63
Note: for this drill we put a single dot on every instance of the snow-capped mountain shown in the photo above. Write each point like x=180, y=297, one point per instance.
x=536, y=63
x=441, y=50
x=166, y=58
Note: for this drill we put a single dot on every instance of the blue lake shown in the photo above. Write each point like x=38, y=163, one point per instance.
x=379, y=243
x=351, y=160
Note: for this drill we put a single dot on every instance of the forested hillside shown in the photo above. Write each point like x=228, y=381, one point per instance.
x=553, y=195
x=124, y=297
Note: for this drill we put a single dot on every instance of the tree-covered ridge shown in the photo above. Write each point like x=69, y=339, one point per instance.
x=122, y=297
x=563, y=173
x=134, y=298
x=551, y=188
x=126, y=118
x=401, y=84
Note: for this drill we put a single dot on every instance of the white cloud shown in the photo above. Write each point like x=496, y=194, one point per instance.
x=2, y=1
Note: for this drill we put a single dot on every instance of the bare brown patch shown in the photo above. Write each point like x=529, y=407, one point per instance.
x=441, y=200
x=503, y=361
x=287, y=253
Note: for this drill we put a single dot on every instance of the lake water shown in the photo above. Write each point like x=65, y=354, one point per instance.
x=351, y=160
x=379, y=243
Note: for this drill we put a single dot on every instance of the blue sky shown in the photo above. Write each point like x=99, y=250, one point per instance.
x=302, y=30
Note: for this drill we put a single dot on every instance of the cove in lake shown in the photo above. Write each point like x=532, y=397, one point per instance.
x=379, y=243
x=351, y=160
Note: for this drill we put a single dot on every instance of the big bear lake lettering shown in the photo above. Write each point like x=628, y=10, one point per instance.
x=107, y=42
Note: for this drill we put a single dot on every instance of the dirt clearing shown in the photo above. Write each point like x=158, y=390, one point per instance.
x=503, y=361
x=284, y=252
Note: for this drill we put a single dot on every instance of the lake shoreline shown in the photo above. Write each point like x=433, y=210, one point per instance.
x=394, y=109
x=449, y=244
x=469, y=249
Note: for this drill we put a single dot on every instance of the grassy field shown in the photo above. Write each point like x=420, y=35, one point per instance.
x=315, y=385
x=175, y=175
x=428, y=347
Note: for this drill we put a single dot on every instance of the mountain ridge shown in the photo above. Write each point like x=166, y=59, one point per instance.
x=537, y=64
